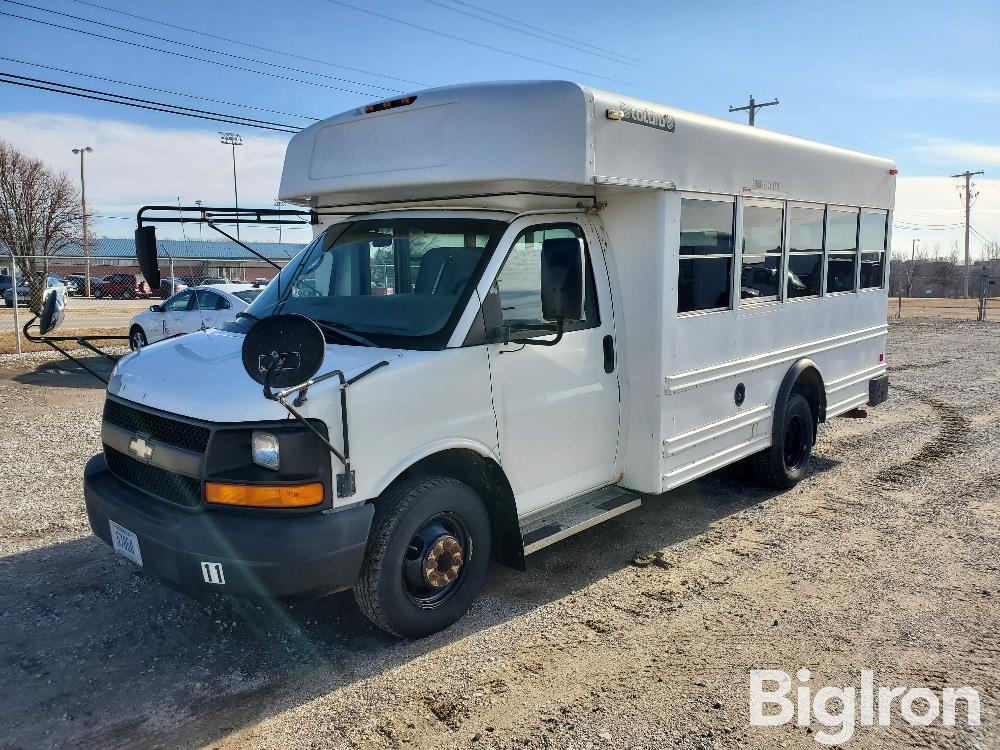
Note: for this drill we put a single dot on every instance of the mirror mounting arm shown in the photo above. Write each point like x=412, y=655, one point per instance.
x=345, y=482
x=560, y=329
x=83, y=341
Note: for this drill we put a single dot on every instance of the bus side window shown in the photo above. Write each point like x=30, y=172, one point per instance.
x=705, y=268
x=805, y=251
x=873, y=235
x=841, y=249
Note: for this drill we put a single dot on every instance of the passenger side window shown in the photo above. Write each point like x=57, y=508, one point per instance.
x=210, y=301
x=520, y=280
x=805, y=251
x=760, y=272
x=841, y=249
x=704, y=278
x=873, y=236
x=178, y=303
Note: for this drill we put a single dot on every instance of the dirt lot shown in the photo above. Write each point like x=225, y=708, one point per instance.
x=886, y=558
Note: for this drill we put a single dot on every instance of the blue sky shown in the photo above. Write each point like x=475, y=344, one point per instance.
x=916, y=81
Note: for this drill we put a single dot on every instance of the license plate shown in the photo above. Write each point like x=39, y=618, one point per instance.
x=125, y=542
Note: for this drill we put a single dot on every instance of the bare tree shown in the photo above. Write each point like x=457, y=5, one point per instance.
x=991, y=252
x=40, y=214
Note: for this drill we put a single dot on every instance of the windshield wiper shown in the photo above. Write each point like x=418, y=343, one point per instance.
x=345, y=332
x=245, y=314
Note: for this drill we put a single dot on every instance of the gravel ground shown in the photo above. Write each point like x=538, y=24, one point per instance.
x=637, y=634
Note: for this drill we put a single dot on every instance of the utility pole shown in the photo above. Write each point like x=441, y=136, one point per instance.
x=83, y=197
x=752, y=108
x=234, y=140
x=967, y=200
x=198, y=204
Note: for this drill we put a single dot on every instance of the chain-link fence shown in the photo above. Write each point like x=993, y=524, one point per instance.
x=117, y=290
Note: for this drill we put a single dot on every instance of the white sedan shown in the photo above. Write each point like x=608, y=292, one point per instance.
x=193, y=309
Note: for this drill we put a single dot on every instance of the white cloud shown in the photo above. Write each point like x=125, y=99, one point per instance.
x=135, y=165
x=948, y=151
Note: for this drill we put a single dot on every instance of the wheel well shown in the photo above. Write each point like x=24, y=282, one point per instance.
x=486, y=477
x=810, y=386
x=802, y=378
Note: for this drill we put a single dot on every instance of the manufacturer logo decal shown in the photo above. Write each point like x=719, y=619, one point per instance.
x=140, y=448
x=644, y=116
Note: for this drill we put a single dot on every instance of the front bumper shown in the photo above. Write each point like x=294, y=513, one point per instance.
x=260, y=555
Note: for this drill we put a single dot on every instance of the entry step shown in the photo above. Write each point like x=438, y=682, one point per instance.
x=577, y=515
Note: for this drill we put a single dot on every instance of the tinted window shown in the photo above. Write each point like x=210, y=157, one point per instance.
x=178, y=302
x=520, y=280
x=841, y=247
x=761, y=262
x=872, y=241
x=704, y=277
x=805, y=251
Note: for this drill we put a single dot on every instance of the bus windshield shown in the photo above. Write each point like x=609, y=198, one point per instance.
x=399, y=282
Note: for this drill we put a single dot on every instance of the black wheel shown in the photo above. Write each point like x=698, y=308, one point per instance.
x=782, y=466
x=136, y=338
x=98, y=294
x=128, y=294
x=427, y=556
x=9, y=303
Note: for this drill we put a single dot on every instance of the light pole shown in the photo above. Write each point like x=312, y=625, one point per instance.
x=278, y=204
x=83, y=197
x=234, y=140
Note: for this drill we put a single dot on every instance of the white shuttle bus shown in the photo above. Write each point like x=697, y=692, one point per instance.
x=527, y=305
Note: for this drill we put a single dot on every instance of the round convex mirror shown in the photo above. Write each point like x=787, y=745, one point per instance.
x=53, y=309
x=295, y=342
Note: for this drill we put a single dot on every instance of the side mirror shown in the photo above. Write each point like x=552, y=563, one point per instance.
x=562, y=278
x=145, y=252
x=156, y=308
x=52, y=311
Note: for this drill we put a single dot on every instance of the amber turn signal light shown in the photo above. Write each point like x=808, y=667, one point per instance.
x=265, y=496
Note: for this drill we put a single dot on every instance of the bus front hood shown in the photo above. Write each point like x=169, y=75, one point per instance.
x=201, y=376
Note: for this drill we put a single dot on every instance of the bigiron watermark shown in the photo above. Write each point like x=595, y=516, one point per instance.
x=773, y=702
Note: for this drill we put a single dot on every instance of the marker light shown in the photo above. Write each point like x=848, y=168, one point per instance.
x=893, y=171
x=391, y=104
x=265, y=450
x=265, y=496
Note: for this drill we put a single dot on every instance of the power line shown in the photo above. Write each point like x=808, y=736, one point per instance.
x=548, y=32
x=153, y=88
x=613, y=57
x=260, y=47
x=474, y=43
x=185, y=56
x=128, y=101
x=202, y=49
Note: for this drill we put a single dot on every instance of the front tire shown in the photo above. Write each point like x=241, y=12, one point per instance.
x=427, y=556
x=137, y=338
x=782, y=466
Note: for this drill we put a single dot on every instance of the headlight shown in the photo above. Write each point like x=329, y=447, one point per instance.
x=265, y=450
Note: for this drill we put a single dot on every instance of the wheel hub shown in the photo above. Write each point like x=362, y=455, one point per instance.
x=443, y=561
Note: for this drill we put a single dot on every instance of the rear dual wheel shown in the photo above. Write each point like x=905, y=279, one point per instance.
x=427, y=556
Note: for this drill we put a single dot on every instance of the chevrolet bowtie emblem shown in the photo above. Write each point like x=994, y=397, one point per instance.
x=140, y=448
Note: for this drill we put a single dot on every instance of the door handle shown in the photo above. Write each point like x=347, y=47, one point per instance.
x=609, y=354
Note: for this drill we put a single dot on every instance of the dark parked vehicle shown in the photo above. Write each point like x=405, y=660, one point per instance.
x=169, y=287
x=6, y=281
x=122, y=286
x=76, y=284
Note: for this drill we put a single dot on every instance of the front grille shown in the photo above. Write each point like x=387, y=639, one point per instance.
x=174, y=488
x=173, y=432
